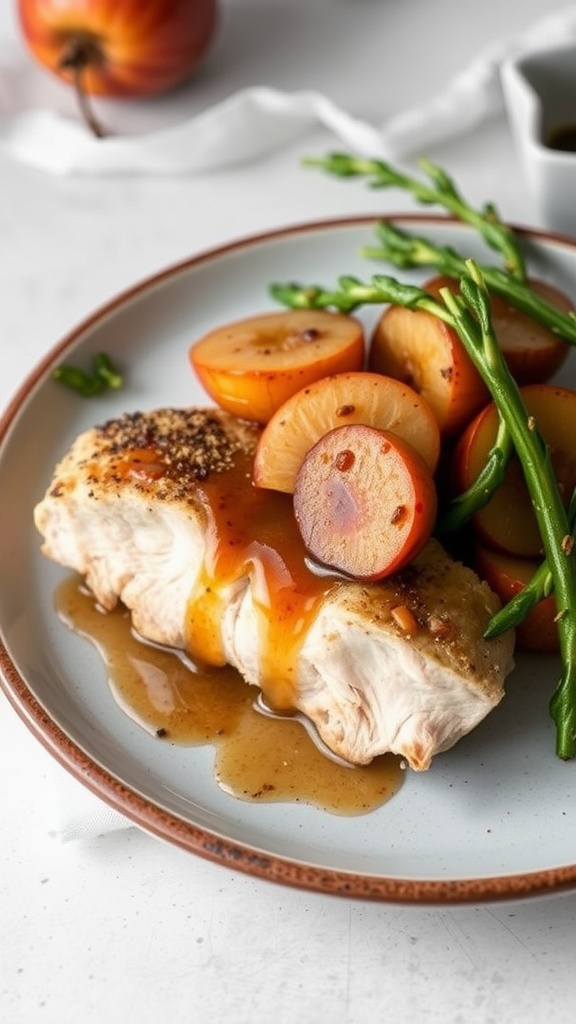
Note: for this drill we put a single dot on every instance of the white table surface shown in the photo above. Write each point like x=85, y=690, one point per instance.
x=124, y=927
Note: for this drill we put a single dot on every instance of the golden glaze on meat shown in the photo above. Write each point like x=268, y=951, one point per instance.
x=158, y=510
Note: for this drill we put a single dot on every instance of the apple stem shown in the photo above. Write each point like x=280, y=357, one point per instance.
x=78, y=54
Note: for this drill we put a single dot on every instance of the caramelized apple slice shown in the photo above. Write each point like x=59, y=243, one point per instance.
x=252, y=366
x=365, y=501
x=424, y=352
x=507, y=576
x=533, y=352
x=345, y=398
x=508, y=522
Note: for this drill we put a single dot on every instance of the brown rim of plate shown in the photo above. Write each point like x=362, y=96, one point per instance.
x=170, y=827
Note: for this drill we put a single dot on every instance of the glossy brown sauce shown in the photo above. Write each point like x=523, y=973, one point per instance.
x=251, y=531
x=257, y=757
x=563, y=138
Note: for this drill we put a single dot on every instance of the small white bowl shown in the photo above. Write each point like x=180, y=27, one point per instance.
x=540, y=96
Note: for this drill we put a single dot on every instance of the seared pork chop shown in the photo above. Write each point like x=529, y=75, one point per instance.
x=158, y=510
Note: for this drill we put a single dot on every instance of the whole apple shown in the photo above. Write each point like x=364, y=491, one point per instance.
x=122, y=48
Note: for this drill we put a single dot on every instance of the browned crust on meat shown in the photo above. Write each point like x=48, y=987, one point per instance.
x=449, y=607
x=175, y=449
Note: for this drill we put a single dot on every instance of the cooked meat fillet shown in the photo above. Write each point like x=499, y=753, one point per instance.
x=157, y=510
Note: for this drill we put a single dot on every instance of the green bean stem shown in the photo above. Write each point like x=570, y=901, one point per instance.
x=406, y=251
x=103, y=376
x=469, y=314
x=440, y=191
x=539, y=587
x=475, y=497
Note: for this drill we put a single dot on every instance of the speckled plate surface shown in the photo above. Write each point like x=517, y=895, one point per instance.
x=492, y=819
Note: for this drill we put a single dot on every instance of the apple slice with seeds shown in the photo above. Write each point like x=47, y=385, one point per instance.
x=365, y=501
x=342, y=399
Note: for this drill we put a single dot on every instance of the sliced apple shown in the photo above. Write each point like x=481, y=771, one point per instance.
x=358, y=397
x=533, y=352
x=364, y=501
x=419, y=349
x=507, y=576
x=508, y=522
x=250, y=367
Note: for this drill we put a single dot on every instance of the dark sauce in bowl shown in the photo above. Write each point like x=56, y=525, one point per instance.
x=562, y=138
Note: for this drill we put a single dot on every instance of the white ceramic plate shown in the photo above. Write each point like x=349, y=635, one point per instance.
x=491, y=819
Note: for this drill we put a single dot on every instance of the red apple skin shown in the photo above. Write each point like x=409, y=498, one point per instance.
x=135, y=47
x=508, y=523
x=532, y=351
x=422, y=351
x=507, y=576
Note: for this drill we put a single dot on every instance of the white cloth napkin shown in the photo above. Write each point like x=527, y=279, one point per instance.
x=257, y=120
